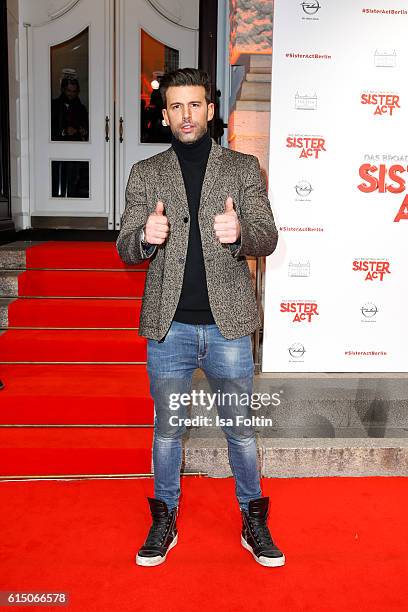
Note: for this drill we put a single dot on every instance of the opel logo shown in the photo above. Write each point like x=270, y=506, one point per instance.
x=310, y=7
x=297, y=350
x=369, y=310
x=303, y=189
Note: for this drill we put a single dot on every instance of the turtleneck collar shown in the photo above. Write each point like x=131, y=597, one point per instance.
x=196, y=151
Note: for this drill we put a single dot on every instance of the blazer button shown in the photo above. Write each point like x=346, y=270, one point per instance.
x=181, y=259
x=185, y=219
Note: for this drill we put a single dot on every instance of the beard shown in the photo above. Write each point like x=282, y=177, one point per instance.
x=191, y=137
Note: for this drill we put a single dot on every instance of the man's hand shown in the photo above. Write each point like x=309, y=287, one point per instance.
x=157, y=226
x=226, y=226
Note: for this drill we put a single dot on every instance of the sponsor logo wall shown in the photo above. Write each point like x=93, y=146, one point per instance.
x=336, y=286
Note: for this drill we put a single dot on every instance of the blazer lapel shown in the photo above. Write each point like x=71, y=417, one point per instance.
x=211, y=172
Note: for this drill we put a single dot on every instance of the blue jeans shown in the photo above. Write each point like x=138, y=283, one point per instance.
x=229, y=368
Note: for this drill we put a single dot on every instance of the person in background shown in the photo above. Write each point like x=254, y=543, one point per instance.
x=69, y=117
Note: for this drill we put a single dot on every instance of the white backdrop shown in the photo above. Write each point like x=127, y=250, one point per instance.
x=337, y=284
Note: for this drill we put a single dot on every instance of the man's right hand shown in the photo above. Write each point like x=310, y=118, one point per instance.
x=157, y=226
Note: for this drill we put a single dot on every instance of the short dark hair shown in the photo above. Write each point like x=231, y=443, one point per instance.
x=185, y=77
x=67, y=81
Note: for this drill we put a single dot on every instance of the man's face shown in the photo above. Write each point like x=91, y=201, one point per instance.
x=71, y=91
x=187, y=112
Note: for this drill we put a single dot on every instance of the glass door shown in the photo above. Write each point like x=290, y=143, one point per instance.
x=71, y=105
x=154, y=37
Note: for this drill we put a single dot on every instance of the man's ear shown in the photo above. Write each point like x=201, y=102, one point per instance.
x=164, y=120
x=210, y=111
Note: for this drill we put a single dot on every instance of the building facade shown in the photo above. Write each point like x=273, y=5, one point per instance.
x=84, y=103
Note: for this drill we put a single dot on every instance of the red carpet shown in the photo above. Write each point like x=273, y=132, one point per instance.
x=56, y=451
x=75, y=395
x=75, y=313
x=74, y=345
x=65, y=283
x=76, y=255
x=61, y=392
x=345, y=541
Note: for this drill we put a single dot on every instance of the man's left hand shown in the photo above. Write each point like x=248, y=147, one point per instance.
x=226, y=226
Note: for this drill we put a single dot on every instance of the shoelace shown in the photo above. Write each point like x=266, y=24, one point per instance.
x=261, y=533
x=157, y=532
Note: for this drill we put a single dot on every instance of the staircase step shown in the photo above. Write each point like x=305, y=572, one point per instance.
x=260, y=77
x=9, y=282
x=335, y=457
x=74, y=313
x=75, y=394
x=304, y=458
x=55, y=254
x=255, y=91
x=57, y=451
x=12, y=256
x=71, y=346
x=253, y=105
x=83, y=283
x=4, y=307
x=260, y=62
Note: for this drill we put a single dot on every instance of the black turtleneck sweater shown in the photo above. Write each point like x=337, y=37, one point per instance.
x=193, y=306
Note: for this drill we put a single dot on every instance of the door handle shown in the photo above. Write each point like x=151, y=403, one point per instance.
x=107, y=138
x=121, y=129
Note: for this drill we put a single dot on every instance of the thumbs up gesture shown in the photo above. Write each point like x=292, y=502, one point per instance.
x=226, y=226
x=157, y=226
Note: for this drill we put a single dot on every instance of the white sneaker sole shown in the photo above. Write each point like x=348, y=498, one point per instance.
x=152, y=561
x=265, y=561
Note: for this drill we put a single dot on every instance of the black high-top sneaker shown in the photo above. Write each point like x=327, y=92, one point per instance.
x=162, y=534
x=256, y=537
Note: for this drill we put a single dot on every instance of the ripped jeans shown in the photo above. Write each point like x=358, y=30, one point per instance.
x=229, y=368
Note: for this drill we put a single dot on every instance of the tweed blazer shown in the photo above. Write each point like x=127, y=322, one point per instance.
x=230, y=289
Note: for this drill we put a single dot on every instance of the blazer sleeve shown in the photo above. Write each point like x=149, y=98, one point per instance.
x=133, y=220
x=259, y=235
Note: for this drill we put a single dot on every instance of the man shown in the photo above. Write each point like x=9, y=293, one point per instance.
x=69, y=117
x=69, y=122
x=196, y=210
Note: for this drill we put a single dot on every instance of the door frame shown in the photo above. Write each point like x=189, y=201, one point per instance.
x=6, y=222
x=100, y=220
